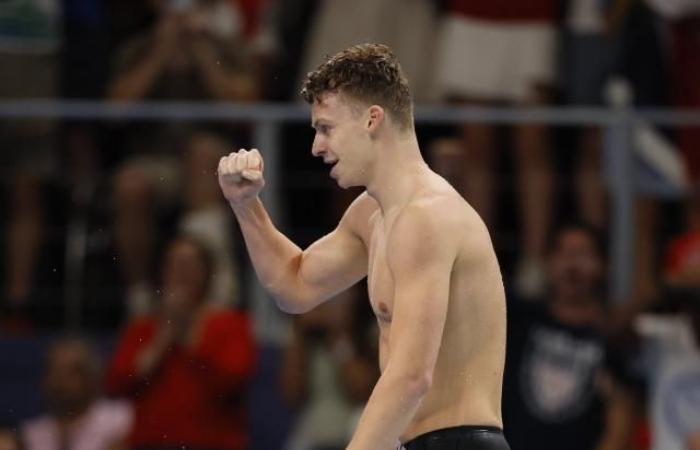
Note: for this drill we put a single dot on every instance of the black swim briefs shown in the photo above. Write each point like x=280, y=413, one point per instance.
x=468, y=437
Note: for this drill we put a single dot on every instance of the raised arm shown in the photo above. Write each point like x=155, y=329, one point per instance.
x=298, y=279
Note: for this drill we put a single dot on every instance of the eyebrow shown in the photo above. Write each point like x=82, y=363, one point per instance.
x=318, y=122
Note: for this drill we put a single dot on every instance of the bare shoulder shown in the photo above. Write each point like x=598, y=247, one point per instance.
x=442, y=217
x=359, y=216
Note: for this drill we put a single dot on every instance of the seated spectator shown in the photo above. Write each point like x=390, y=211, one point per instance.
x=77, y=417
x=329, y=370
x=563, y=385
x=187, y=366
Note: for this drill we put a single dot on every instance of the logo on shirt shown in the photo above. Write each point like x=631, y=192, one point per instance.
x=558, y=374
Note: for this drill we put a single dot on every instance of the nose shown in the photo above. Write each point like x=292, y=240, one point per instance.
x=318, y=147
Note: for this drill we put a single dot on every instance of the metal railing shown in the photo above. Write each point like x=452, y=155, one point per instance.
x=267, y=118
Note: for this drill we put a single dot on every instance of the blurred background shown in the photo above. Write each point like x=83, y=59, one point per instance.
x=130, y=317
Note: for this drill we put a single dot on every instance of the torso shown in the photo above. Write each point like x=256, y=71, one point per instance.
x=466, y=388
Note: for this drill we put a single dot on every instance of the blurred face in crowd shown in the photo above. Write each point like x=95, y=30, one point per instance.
x=575, y=267
x=343, y=139
x=185, y=276
x=71, y=378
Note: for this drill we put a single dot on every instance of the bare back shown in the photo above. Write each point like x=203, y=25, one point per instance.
x=467, y=380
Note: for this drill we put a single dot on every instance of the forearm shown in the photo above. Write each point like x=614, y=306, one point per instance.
x=276, y=259
x=388, y=413
x=137, y=82
x=150, y=357
x=229, y=86
x=619, y=426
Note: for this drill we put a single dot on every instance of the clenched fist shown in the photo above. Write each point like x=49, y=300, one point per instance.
x=241, y=176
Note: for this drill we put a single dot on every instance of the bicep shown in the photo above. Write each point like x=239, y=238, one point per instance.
x=338, y=260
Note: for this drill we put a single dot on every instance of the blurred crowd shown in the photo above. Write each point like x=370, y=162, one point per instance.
x=126, y=314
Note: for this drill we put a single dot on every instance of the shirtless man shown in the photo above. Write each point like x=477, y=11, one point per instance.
x=434, y=280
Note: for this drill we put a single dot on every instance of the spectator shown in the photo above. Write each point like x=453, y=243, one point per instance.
x=563, y=385
x=327, y=373
x=589, y=57
x=147, y=184
x=186, y=368
x=77, y=418
x=29, y=48
x=491, y=52
x=196, y=51
x=404, y=25
x=671, y=356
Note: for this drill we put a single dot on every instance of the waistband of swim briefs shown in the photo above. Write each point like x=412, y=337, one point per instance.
x=459, y=431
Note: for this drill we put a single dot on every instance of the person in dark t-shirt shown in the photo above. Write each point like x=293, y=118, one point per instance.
x=564, y=387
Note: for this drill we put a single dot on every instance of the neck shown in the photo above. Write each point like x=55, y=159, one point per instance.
x=397, y=171
x=576, y=311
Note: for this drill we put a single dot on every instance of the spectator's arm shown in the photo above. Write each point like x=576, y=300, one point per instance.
x=138, y=354
x=223, y=83
x=135, y=84
x=616, y=14
x=137, y=81
x=619, y=418
x=224, y=353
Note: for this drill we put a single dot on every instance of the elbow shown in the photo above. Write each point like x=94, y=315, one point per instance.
x=417, y=384
x=291, y=305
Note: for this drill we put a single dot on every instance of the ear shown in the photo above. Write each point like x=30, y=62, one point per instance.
x=375, y=118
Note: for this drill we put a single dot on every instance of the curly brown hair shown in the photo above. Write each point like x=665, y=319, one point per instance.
x=370, y=73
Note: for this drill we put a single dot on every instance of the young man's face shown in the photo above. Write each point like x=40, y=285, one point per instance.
x=342, y=139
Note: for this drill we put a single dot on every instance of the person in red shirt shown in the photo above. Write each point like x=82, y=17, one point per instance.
x=682, y=259
x=187, y=367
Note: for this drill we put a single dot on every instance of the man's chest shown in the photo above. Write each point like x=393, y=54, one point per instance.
x=380, y=281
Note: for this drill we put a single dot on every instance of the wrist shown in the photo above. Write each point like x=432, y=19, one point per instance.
x=244, y=208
